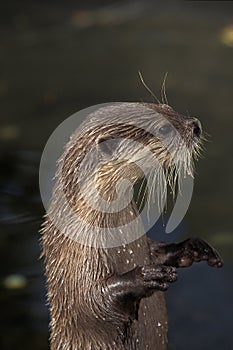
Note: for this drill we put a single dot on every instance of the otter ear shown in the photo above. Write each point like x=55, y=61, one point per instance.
x=106, y=144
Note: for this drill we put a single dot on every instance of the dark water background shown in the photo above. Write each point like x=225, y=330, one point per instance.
x=58, y=57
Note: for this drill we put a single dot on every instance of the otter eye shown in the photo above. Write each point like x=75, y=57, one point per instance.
x=165, y=129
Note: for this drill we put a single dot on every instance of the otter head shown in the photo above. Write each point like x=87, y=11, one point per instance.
x=158, y=137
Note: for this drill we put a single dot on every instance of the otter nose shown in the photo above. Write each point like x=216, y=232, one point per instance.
x=196, y=126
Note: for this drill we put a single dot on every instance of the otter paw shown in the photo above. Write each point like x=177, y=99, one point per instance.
x=156, y=276
x=195, y=250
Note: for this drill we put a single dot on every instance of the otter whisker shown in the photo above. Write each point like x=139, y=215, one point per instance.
x=141, y=195
x=147, y=88
x=163, y=90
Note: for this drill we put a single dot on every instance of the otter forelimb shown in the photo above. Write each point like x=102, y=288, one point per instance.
x=126, y=290
x=185, y=253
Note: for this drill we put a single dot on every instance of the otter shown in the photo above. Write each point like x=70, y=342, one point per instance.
x=105, y=278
